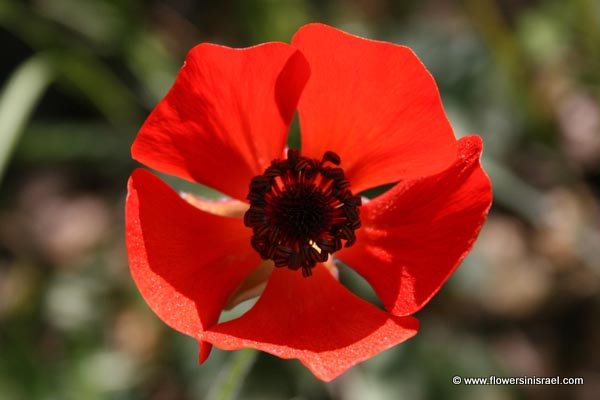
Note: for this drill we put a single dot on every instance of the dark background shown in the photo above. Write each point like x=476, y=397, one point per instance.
x=78, y=78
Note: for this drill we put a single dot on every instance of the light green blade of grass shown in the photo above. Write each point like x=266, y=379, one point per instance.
x=231, y=379
x=18, y=98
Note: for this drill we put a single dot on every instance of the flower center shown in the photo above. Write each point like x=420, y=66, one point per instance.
x=300, y=211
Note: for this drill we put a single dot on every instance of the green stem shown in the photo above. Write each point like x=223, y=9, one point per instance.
x=231, y=379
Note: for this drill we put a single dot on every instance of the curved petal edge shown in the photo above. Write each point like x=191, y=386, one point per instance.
x=184, y=261
x=226, y=116
x=373, y=103
x=415, y=235
x=315, y=320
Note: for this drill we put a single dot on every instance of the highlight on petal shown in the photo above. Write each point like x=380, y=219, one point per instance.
x=254, y=285
x=315, y=320
x=373, y=103
x=226, y=117
x=416, y=234
x=185, y=261
x=224, y=207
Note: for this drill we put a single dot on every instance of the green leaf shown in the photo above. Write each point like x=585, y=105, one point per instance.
x=19, y=97
x=230, y=382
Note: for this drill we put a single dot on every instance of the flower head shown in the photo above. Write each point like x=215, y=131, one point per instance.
x=370, y=114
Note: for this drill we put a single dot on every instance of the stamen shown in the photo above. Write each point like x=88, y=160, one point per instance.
x=301, y=210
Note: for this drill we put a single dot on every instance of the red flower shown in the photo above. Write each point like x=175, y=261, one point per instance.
x=370, y=104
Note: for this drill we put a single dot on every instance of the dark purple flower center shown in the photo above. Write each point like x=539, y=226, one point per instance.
x=300, y=211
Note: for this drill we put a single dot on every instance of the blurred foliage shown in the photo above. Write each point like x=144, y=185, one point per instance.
x=78, y=78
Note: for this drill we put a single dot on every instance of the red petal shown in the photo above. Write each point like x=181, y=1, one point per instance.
x=185, y=262
x=415, y=235
x=315, y=320
x=374, y=104
x=226, y=117
x=204, y=351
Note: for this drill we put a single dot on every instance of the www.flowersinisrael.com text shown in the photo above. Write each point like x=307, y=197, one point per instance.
x=516, y=380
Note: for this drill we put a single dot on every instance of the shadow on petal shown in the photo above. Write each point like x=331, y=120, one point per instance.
x=313, y=319
x=185, y=262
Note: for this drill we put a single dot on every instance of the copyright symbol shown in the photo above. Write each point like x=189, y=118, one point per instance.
x=456, y=380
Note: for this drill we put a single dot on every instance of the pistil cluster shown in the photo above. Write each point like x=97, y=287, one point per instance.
x=301, y=211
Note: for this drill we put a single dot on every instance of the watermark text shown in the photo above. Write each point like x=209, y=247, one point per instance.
x=516, y=380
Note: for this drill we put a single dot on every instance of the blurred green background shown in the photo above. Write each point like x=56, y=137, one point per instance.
x=77, y=79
